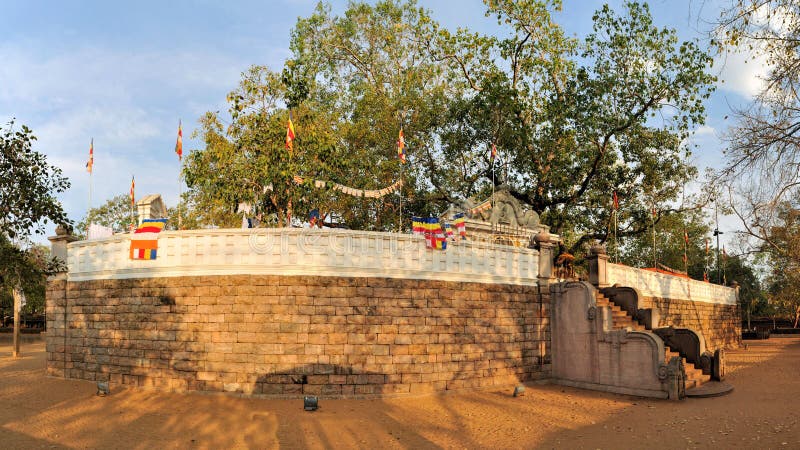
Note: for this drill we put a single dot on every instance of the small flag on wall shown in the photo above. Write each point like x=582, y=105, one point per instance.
x=179, y=142
x=461, y=225
x=90, y=162
x=144, y=242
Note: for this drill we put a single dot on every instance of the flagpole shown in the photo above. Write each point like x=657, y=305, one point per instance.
x=91, y=173
x=400, y=223
x=655, y=262
x=616, y=242
x=180, y=169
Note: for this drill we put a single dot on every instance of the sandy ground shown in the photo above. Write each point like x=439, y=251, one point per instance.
x=41, y=412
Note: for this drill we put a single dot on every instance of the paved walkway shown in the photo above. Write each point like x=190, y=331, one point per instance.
x=41, y=412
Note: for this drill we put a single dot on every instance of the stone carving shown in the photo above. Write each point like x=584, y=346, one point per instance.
x=676, y=377
x=591, y=313
x=506, y=210
x=718, y=365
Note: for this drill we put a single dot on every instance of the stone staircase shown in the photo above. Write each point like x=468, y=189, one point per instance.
x=622, y=320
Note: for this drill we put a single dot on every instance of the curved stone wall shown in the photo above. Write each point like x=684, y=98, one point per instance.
x=292, y=312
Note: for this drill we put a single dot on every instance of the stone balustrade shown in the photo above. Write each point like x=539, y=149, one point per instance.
x=285, y=251
x=658, y=285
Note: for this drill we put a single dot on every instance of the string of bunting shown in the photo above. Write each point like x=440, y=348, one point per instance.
x=368, y=193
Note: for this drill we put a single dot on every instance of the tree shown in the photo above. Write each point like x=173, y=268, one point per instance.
x=116, y=213
x=28, y=185
x=763, y=154
x=573, y=120
x=782, y=250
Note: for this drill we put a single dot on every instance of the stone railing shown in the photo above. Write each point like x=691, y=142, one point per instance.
x=654, y=284
x=304, y=252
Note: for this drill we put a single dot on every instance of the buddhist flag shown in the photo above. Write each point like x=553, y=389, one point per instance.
x=144, y=242
x=179, y=142
x=133, y=197
x=401, y=147
x=290, y=133
x=493, y=155
x=707, y=246
x=685, y=237
x=461, y=225
x=615, y=200
x=90, y=162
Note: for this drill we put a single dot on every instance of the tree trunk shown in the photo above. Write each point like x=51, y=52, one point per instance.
x=17, y=306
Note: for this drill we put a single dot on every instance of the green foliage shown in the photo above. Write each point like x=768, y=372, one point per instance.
x=28, y=185
x=573, y=120
x=115, y=213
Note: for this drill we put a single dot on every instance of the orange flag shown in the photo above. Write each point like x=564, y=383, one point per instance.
x=289, y=133
x=133, y=183
x=90, y=162
x=179, y=142
x=401, y=146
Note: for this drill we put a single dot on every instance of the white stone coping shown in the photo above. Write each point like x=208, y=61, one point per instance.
x=654, y=284
x=303, y=251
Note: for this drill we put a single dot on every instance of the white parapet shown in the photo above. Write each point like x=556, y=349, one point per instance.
x=298, y=251
x=654, y=284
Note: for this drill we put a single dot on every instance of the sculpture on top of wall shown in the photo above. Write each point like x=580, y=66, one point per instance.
x=506, y=210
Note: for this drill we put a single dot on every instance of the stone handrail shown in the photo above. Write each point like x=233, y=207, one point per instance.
x=654, y=284
x=303, y=252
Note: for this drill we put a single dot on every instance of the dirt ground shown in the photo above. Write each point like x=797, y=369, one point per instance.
x=41, y=412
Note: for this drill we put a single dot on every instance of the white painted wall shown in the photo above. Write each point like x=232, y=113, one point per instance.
x=299, y=251
x=654, y=284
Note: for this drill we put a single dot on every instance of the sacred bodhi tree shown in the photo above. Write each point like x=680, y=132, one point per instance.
x=573, y=120
x=28, y=185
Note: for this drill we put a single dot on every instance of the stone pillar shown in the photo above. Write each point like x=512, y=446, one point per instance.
x=598, y=264
x=58, y=243
x=56, y=305
x=545, y=246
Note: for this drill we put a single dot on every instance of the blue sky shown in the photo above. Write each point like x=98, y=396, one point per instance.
x=124, y=73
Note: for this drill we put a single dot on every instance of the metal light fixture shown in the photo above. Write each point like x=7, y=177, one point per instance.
x=310, y=403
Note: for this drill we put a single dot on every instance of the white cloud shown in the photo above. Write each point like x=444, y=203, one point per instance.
x=742, y=72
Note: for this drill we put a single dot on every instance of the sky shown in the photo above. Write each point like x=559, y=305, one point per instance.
x=124, y=74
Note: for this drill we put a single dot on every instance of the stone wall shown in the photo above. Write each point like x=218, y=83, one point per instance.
x=293, y=335
x=718, y=323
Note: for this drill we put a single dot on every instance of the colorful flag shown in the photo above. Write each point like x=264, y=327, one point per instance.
x=707, y=246
x=179, y=142
x=616, y=201
x=685, y=237
x=448, y=230
x=494, y=152
x=724, y=254
x=313, y=217
x=290, y=133
x=654, y=213
x=133, y=183
x=431, y=231
x=401, y=147
x=90, y=162
x=144, y=242
x=461, y=225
